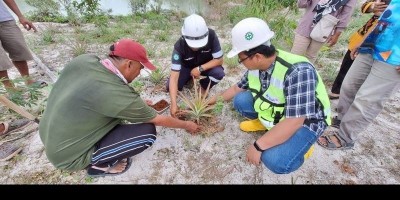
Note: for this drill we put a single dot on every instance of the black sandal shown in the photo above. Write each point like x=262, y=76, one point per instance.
x=331, y=145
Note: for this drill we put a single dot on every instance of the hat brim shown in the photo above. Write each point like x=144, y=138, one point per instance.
x=149, y=65
x=233, y=53
x=197, y=43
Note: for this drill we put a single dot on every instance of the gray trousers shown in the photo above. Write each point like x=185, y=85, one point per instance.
x=365, y=89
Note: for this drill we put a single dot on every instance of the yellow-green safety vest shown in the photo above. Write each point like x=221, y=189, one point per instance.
x=270, y=105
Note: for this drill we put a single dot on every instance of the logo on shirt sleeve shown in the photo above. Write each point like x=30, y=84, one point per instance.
x=176, y=57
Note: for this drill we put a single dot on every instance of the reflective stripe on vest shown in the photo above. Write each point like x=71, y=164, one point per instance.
x=270, y=105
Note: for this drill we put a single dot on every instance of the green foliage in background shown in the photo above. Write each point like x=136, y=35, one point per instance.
x=49, y=11
x=276, y=15
x=46, y=10
x=138, y=6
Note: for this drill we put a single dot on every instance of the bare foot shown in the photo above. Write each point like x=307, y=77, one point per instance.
x=117, y=168
x=333, y=138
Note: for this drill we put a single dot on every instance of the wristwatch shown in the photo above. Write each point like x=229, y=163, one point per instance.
x=258, y=147
x=201, y=69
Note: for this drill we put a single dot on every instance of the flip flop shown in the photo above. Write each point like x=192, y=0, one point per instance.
x=95, y=173
x=331, y=145
x=8, y=151
x=333, y=96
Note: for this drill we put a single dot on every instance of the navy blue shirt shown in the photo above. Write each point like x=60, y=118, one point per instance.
x=184, y=56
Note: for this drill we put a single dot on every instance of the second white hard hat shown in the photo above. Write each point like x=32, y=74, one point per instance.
x=249, y=33
x=195, y=31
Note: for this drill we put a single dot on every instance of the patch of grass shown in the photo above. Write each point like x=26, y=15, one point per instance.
x=78, y=47
x=219, y=105
x=48, y=37
x=137, y=85
x=231, y=62
x=163, y=36
x=328, y=74
x=25, y=95
x=158, y=76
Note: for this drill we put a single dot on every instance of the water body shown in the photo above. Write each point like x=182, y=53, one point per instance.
x=122, y=7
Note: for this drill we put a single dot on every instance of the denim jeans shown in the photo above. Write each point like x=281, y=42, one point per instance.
x=289, y=156
x=243, y=103
x=286, y=157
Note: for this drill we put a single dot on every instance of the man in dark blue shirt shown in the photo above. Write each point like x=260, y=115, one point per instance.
x=197, y=53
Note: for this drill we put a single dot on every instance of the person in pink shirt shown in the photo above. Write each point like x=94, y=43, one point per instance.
x=303, y=44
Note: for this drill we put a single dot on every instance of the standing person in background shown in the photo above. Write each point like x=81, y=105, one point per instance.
x=374, y=6
x=13, y=42
x=303, y=44
x=369, y=83
x=197, y=53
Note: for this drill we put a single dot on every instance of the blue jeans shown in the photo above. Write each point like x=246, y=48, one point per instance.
x=289, y=156
x=286, y=157
x=243, y=103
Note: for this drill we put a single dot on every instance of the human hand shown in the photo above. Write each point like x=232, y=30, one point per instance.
x=333, y=39
x=27, y=24
x=149, y=102
x=253, y=156
x=398, y=69
x=354, y=53
x=173, y=110
x=378, y=7
x=191, y=127
x=195, y=72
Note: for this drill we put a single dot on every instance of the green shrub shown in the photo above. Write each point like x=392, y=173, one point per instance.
x=46, y=10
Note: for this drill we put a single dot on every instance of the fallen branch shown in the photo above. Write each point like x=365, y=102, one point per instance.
x=46, y=70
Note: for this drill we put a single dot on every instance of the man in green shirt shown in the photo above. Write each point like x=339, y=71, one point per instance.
x=81, y=127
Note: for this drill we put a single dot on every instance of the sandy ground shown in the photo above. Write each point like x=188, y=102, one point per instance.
x=180, y=158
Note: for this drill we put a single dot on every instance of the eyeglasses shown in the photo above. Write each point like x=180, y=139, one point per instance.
x=240, y=61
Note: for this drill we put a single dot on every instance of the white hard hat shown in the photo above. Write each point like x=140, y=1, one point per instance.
x=195, y=31
x=249, y=33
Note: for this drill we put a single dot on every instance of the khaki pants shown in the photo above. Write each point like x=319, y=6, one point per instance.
x=365, y=89
x=12, y=42
x=306, y=46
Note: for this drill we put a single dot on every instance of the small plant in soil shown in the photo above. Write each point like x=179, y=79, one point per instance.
x=157, y=76
x=219, y=105
x=197, y=104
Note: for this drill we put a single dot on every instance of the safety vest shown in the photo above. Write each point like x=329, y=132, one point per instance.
x=270, y=105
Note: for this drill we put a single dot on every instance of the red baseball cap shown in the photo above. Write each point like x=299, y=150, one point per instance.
x=132, y=50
